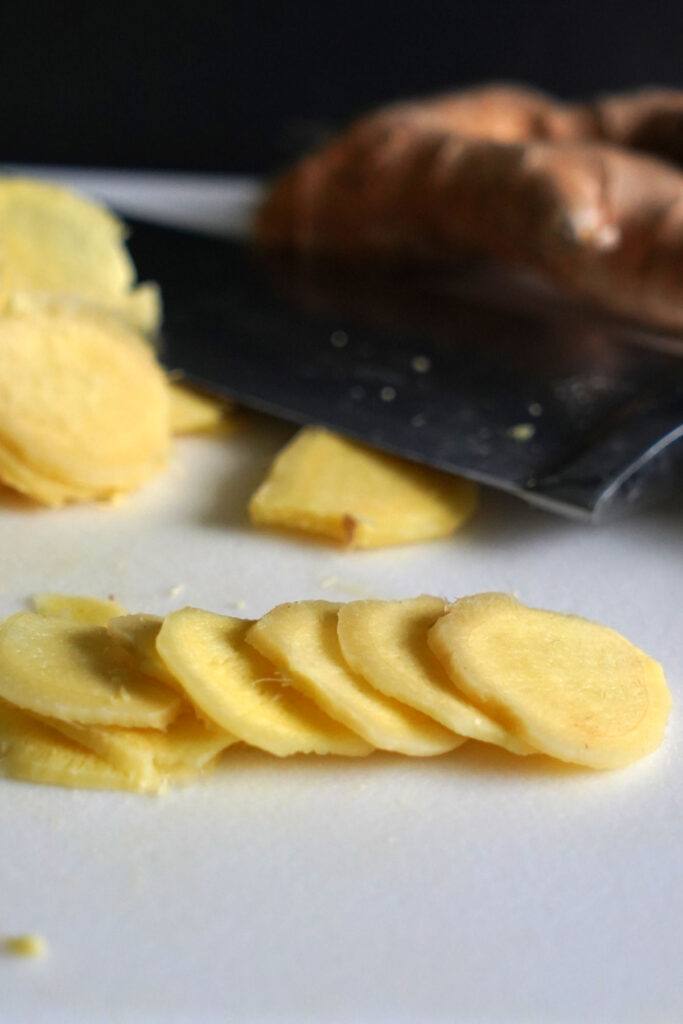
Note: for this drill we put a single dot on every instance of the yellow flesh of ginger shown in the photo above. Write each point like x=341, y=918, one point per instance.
x=77, y=673
x=33, y=946
x=192, y=412
x=53, y=241
x=16, y=474
x=301, y=640
x=90, y=611
x=138, y=635
x=139, y=309
x=82, y=402
x=386, y=643
x=323, y=484
x=234, y=686
x=31, y=751
x=146, y=755
x=570, y=688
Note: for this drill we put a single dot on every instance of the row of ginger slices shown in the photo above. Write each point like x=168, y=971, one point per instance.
x=91, y=696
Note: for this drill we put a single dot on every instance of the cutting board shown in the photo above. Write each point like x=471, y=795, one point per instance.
x=469, y=887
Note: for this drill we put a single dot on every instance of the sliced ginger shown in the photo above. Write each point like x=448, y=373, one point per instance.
x=323, y=484
x=33, y=752
x=56, y=246
x=301, y=640
x=570, y=688
x=147, y=756
x=83, y=403
x=413, y=676
x=139, y=309
x=386, y=643
x=77, y=673
x=194, y=412
x=234, y=686
x=138, y=635
x=83, y=407
x=89, y=611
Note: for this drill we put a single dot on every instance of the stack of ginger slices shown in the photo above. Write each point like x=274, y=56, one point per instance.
x=93, y=697
x=86, y=410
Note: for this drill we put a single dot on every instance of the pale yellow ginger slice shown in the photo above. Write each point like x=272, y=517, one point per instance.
x=16, y=474
x=569, y=687
x=140, y=309
x=52, y=240
x=301, y=640
x=83, y=404
x=386, y=643
x=77, y=673
x=323, y=484
x=138, y=635
x=89, y=611
x=194, y=412
x=33, y=752
x=147, y=754
x=234, y=686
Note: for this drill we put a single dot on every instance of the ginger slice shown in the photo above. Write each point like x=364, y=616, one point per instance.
x=234, y=686
x=569, y=687
x=324, y=484
x=138, y=634
x=52, y=240
x=33, y=752
x=139, y=309
x=301, y=640
x=145, y=755
x=77, y=673
x=193, y=412
x=83, y=403
x=386, y=643
x=90, y=611
x=16, y=474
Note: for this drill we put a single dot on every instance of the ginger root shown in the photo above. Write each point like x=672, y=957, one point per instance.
x=509, y=174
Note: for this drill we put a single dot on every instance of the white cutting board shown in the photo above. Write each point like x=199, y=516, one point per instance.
x=474, y=887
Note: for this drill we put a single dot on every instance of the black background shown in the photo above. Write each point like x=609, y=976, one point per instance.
x=244, y=86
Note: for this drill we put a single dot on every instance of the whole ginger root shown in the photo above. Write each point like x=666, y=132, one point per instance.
x=588, y=196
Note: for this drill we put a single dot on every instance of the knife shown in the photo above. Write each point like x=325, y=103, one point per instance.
x=473, y=371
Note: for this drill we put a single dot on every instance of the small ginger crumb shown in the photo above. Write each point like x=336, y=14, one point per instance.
x=178, y=589
x=421, y=364
x=522, y=431
x=25, y=945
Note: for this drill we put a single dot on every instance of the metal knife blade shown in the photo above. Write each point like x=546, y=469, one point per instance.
x=464, y=372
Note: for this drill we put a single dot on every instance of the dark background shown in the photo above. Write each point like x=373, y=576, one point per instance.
x=244, y=86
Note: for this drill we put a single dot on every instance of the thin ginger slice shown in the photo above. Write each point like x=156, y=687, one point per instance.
x=386, y=643
x=234, y=686
x=138, y=635
x=33, y=752
x=52, y=240
x=77, y=673
x=569, y=687
x=140, y=309
x=147, y=755
x=301, y=640
x=324, y=484
x=193, y=412
x=16, y=474
x=83, y=403
x=89, y=611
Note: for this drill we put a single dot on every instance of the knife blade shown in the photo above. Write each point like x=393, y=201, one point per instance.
x=471, y=372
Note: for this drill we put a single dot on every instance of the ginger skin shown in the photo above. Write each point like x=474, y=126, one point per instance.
x=509, y=174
